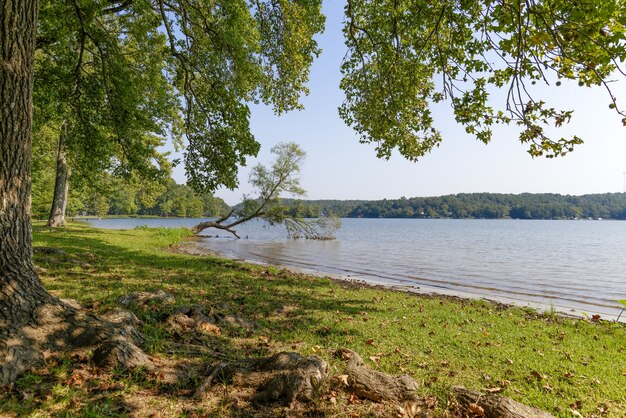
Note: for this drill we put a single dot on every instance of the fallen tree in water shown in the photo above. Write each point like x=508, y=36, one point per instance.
x=270, y=183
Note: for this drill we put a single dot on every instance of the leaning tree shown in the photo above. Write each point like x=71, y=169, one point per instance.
x=270, y=185
x=217, y=56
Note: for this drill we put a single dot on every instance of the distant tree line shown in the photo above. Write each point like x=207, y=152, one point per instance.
x=128, y=197
x=473, y=205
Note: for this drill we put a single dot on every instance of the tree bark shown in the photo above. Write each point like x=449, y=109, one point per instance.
x=32, y=320
x=495, y=406
x=20, y=289
x=61, y=183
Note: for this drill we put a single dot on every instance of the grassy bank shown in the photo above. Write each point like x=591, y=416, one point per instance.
x=564, y=366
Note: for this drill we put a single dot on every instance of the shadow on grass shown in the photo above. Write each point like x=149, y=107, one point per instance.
x=96, y=271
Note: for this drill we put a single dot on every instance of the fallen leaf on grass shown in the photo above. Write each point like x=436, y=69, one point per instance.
x=430, y=401
x=210, y=328
x=476, y=409
x=76, y=379
x=409, y=411
x=343, y=378
x=375, y=359
x=494, y=390
x=332, y=397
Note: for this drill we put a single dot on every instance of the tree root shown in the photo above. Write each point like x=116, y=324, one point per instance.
x=495, y=406
x=283, y=378
x=58, y=328
x=377, y=386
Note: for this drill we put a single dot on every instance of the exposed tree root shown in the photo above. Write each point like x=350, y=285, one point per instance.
x=495, y=406
x=377, y=386
x=283, y=378
x=57, y=328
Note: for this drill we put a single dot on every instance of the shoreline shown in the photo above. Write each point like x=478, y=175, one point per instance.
x=192, y=246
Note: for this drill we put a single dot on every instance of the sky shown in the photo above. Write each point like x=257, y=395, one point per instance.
x=337, y=166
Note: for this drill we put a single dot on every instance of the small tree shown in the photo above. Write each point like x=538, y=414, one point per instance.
x=270, y=183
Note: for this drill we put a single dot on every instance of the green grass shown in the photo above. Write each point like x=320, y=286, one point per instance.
x=546, y=361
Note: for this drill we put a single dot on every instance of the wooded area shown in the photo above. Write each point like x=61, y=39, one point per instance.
x=472, y=206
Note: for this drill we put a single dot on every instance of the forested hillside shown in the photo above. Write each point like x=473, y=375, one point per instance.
x=474, y=205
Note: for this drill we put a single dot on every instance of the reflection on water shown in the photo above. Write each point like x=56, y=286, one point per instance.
x=576, y=265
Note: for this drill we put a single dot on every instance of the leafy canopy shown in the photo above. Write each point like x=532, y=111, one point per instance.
x=405, y=55
x=127, y=74
x=98, y=77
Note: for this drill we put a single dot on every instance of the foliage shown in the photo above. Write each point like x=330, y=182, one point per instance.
x=132, y=196
x=99, y=76
x=125, y=75
x=320, y=228
x=406, y=55
x=270, y=184
x=473, y=205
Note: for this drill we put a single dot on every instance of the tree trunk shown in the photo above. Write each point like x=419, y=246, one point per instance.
x=495, y=406
x=61, y=183
x=20, y=288
x=32, y=320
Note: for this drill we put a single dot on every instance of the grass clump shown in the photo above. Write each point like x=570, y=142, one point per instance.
x=549, y=362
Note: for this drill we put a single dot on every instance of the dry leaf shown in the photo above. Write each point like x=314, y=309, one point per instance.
x=430, y=401
x=343, y=378
x=493, y=390
x=476, y=409
x=332, y=397
x=76, y=379
x=210, y=328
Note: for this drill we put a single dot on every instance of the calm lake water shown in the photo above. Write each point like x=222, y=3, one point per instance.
x=575, y=266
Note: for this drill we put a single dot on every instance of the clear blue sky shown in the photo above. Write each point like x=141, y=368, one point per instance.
x=339, y=167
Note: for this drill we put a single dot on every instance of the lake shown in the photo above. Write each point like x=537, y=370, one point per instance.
x=574, y=266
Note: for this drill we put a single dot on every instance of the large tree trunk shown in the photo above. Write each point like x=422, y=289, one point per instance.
x=20, y=288
x=61, y=183
x=32, y=320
